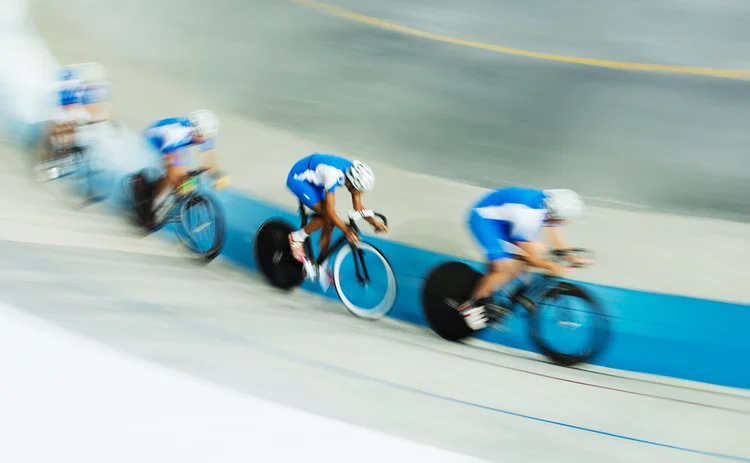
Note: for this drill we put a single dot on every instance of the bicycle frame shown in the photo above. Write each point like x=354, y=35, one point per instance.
x=171, y=216
x=359, y=263
x=530, y=283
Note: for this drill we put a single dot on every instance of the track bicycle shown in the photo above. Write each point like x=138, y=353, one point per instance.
x=191, y=211
x=75, y=168
x=451, y=283
x=353, y=265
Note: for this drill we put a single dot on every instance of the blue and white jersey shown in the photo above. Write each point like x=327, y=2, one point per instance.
x=520, y=212
x=170, y=135
x=324, y=171
x=69, y=89
x=96, y=93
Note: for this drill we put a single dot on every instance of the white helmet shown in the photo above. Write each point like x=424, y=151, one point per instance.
x=563, y=204
x=361, y=176
x=90, y=72
x=205, y=122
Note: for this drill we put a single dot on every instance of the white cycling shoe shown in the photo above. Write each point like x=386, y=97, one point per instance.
x=475, y=318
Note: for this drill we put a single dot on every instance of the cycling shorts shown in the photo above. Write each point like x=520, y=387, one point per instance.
x=491, y=235
x=305, y=191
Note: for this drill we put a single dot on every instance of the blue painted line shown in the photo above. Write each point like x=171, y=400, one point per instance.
x=129, y=304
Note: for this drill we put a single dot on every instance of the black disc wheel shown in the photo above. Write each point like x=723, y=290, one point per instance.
x=447, y=286
x=274, y=256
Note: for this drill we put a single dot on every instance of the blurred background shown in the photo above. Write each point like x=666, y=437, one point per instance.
x=671, y=141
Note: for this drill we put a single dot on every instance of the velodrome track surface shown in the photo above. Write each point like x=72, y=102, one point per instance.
x=86, y=272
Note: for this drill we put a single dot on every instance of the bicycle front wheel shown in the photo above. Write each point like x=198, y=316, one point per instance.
x=201, y=228
x=568, y=324
x=373, y=298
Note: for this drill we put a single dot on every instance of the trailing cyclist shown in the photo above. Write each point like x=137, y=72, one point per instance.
x=516, y=215
x=313, y=180
x=81, y=92
x=67, y=116
x=172, y=137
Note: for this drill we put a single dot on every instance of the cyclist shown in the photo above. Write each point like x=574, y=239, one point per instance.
x=517, y=215
x=171, y=137
x=69, y=113
x=314, y=179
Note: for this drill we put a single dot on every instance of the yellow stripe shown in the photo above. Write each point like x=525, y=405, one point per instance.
x=352, y=16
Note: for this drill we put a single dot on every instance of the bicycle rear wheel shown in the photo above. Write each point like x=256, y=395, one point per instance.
x=82, y=182
x=274, y=257
x=371, y=300
x=201, y=228
x=447, y=286
x=562, y=346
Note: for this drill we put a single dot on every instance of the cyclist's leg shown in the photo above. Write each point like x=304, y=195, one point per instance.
x=502, y=268
x=312, y=198
x=176, y=166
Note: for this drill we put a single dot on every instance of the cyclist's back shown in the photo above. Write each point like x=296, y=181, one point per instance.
x=323, y=171
x=171, y=134
x=519, y=211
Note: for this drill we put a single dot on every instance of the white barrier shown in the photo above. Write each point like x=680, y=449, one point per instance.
x=68, y=398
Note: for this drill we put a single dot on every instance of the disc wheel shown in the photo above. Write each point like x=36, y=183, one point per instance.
x=447, y=286
x=274, y=257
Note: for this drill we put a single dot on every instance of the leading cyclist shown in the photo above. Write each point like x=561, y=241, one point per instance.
x=517, y=215
x=314, y=179
x=172, y=137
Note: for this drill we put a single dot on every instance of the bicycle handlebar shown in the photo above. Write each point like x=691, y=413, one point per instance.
x=354, y=216
x=219, y=183
x=197, y=172
x=559, y=255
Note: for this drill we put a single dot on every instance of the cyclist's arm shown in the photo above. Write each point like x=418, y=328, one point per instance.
x=209, y=154
x=559, y=242
x=555, y=238
x=534, y=251
x=330, y=210
x=358, y=206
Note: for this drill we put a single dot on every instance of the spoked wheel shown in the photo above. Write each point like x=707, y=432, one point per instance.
x=274, y=257
x=372, y=295
x=447, y=286
x=568, y=325
x=201, y=228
